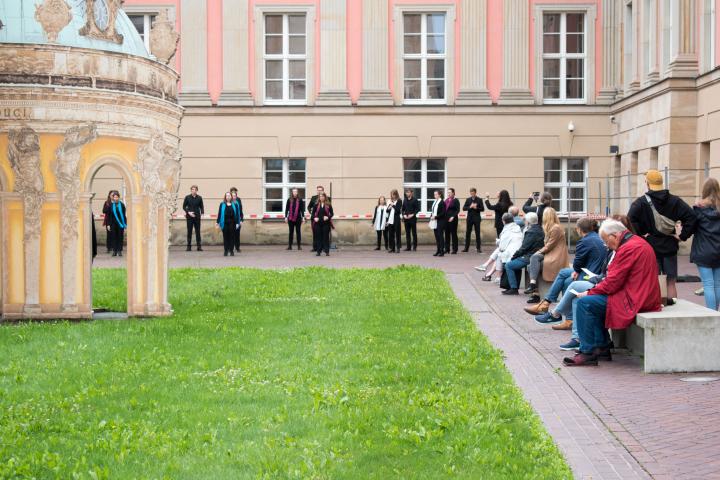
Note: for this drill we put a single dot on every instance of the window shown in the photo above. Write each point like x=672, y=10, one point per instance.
x=708, y=55
x=564, y=58
x=143, y=23
x=280, y=177
x=424, y=176
x=285, y=59
x=424, y=56
x=565, y=181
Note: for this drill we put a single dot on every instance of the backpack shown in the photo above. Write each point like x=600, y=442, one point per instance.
x=663, y=224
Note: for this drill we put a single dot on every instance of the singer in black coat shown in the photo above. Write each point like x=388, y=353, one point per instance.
x=452, y=210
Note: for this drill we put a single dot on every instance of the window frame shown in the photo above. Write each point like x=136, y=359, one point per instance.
x=424, y=185
x=563, y=56
x=564, y=185
x=285, y=184
x=589, y=10
x=152, y=9
x=285, y=57
x=424, y=57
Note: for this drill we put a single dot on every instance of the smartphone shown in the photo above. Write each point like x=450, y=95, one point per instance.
x=536, y=194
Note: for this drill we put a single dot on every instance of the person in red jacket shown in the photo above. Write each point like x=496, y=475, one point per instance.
x=630, y=287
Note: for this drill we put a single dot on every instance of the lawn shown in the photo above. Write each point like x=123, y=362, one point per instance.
x=308, y=373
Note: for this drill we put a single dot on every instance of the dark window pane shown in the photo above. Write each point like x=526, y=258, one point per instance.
x=436, y=89
x=551, y=23
x=273, y=24
x=138, y=22
x=273, y=193
x=436, y=23
x=274, y=206
x=576, y=193
x=551, y=43
x=575, y=89
x=552, y=164
x=575, y=176
x=412, y=23
x=273, y=90
x=412, y=164
x=575, y=43
x=436, y=44
x=301, y=192
x=429, y=204
x=574, y=68
x=297, y=69
x=554, y=191
x=576, y=164
x=436, y=164
x=575, y=23
x=273, y=45
x=273, y=69
x=556, y=205
x=435, y=68
x=412, y=89
x=296, y=177
x=412, y=177
x=552, y=176
x=435, y=177
x=297, y=164
x=551, y=88
x=551, y=68
x=297, y=90
x=297, y=45
x=417, y=193
x=412, y=69
x=273, y=177
x=296, y=24
x=412, y=44
x=273, y=164
x=576, y=206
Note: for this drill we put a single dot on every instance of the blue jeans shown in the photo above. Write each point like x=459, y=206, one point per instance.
x=560, y=284
x=711, y=284
x=591, y=323
x=512, y=267
x=568, y=302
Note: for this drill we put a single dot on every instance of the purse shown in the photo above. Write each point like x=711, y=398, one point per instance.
x=432, y=224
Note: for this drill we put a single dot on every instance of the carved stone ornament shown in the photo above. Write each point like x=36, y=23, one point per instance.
x=100, y=17
x=67, y=174
x=163, y=38
x=53, y=16
x=24, y=156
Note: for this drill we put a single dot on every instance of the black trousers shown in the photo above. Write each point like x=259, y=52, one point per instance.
x=440, y=238
x=236, y=237
x=115, y=239
x=382, y=235
x=498, y=229
x=321, y=238
x=411, y=233
x=472, y=224
x=451, y=236
x=294, y=228
x=193, y=222
x=229, y=235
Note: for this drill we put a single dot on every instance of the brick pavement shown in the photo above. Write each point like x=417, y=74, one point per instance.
x=612, y=421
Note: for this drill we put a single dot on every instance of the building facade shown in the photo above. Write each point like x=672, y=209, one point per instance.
x=576, y=97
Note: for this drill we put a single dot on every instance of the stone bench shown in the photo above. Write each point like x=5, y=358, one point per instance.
x=684, y=337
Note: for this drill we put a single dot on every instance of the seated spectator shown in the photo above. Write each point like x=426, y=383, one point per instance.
x=533, y=240
x=510, y=240
x=551, y=258
x=515, y=212
x=630, y=287
x=590, y=253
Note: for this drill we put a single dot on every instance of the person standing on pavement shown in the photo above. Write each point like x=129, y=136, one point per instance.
x=705, y=251
x=194, y=209
x=294, y=217
x=322, y=224
x=227, y=221
x=117, y=223
x=500, y=208
x=474, y=208
x=452, y=210
x=410, y=209
x=237, y=207
x=320, y=190
x=437, y=223
x=379, y=220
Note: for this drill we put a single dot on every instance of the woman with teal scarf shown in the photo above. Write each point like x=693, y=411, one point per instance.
x=116, y=217
x=227, y=222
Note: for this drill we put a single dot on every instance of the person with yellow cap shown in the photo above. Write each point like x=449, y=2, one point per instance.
x=654, y=216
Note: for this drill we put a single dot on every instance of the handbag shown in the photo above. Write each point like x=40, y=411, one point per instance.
x=432, y=224
x=504, y=282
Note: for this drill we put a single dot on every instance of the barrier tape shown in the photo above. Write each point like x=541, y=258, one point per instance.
x=357, y=216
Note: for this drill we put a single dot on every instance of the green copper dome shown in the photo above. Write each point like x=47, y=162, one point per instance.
x=20, y=26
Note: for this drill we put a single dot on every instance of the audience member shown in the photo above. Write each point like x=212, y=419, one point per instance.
x=705, y=251
x=510, y=240
x=551, y=258
x=533, y=240
x=543, y=201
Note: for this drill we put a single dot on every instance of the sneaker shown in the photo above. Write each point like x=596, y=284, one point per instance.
x=571, y=345
x=497, y=280
x=481, y=268
x=700, y=292
x=511, y=291
x=547, y=319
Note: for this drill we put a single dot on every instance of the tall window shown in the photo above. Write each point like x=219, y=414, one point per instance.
x=143, y=23
x=280, y=177
x=708, y=53
x=285, y=57
x=565, y=181
x=424, y=57
x=424, y=176
x=564, y=58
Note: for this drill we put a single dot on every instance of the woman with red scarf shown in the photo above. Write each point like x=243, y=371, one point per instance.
x=294, y=217
x=322, y=223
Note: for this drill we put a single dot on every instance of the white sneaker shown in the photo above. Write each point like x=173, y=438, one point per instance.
x=481, y=268
x=700, y=292
x=497, y=280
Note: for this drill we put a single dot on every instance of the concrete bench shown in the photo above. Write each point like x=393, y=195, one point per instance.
x=684, y=337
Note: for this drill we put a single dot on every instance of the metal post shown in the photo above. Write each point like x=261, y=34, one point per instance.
x=629, y=188
x=707, y=169
x=600, y=196
x=667, y=177
x=607, y=206
x=513, y=192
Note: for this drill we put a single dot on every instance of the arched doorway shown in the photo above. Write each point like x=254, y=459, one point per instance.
x=109, y=291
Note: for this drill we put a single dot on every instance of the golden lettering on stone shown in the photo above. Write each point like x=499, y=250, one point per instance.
x=100, y=16
x=9, y=113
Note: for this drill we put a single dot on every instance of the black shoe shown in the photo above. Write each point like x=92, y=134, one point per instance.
x=199, y=249
x=455, y=252
x=226, y=253
x=392, y=250
x=119, y=254
x=531, y=289
x=299, y=247
x=289, y=247
x=414, y=248
x=232, y=254
x=603, y=354
x=317, y=254
x=534, y=299
x=441, y=255
x=313, y=250
x=479, y=250
x=397, y=251
x=377, y=248
x=511, y=291
x=436, y=254
x=114, y=254
x=237, y=249
x=327, y=254
x=465, y=250
x=408, y=249
x=188, y=249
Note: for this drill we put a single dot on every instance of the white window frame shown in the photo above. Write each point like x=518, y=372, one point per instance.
x=286, y=185
x=399, y=66
x=424, y=56
x=423, y=185
x=708, y=36
x=259, y=54
x=563, y=56
x=589, y=10
x=564, y=185
x=149, y=10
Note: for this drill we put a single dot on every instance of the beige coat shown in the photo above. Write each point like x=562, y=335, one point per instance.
x=556, y=253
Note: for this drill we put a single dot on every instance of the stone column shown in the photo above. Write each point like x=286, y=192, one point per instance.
x=333, y=47
x=610, y=52
x=516, y=54
x=194, y=61
x=683, y=60
x=375, y=87
x=236, y=91
x=473, y=54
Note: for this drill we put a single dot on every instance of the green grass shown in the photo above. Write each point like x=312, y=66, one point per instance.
x=110, y=289
x=309, y=373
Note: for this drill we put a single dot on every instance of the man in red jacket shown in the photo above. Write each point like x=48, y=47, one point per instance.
x=630, y=287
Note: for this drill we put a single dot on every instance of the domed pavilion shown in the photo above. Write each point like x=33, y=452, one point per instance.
x=78, y=91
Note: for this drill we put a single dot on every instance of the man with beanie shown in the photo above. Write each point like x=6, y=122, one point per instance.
x=654, y=216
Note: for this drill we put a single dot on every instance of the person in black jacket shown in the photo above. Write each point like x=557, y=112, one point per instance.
x=452, y=210
x=410, y=209
x=654, y=216
x=311, y=208
x=705, y=251
x=228, y=222
x=500, y=208
x=393, y=224
x=117, y=223
x=437, y=223
x=533, y=241
x=322, y=224
x=474, y=208
x=294, y=216
x=543, y=201
x=239, y=217
x=194, y=208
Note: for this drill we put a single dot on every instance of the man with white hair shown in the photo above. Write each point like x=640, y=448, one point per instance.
x=631, y=286
x=533, y=240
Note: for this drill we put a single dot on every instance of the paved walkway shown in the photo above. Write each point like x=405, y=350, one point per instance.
x=611, y=422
